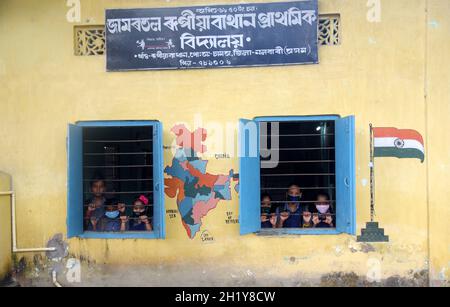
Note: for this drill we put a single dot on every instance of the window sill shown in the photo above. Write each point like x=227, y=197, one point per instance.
x=120, y=235
x=297, y=231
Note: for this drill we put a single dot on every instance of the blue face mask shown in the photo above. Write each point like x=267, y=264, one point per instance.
x=112, y=214
x=293, y=198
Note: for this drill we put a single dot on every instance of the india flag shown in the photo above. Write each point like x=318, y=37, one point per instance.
x=400, y=143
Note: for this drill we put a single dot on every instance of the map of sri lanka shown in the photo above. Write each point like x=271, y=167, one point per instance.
x=196, y=191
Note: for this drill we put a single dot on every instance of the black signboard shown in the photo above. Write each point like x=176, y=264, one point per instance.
x=280, y=33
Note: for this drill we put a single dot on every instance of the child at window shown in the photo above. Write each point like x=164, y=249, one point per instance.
x=307, y=220
x=121, y=206
x=111, y=221
x=95, y=209
x=268, y=216
x=323, y=216
x=291, y=214
x=139, y=220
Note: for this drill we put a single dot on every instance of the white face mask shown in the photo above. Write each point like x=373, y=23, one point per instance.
x=322, y=208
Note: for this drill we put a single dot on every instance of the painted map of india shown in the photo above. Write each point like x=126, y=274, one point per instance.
x=197, y=192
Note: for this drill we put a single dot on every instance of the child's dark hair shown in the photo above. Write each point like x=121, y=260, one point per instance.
x=97, y=178
x=264, y=195
x=112, y=202
x=324, y=194
x=293, y=184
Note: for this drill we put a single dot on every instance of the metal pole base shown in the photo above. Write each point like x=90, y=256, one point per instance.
x=372, y=233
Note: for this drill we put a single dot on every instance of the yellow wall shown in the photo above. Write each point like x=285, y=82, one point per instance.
x=5, y=226
x=379, y=73
x=438, y=101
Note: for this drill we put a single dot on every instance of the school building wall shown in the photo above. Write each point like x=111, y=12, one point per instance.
x=390, y=73
x=5, y=226
x=438, y=101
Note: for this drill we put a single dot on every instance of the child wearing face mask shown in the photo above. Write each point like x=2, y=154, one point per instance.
x=291, y=214
x=323, y=216
x=268, y=216
x=139, y=220
x=110, y=222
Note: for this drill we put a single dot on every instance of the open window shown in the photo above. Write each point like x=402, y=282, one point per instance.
x=115, y=180
x=297, y=175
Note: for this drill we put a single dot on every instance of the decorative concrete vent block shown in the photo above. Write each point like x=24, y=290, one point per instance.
x=89, y=40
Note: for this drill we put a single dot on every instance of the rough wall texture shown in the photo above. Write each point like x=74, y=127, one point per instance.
x=389, y=73
x=438, y=102
x=5, y=226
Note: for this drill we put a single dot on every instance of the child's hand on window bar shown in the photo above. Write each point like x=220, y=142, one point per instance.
x=316, y=219
x=91, y=207
x=273, y=220
x=124, y=220
x=94, y=222
x=329, y=220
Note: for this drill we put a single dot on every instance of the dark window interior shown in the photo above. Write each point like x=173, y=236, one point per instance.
x=122, y=156
x=306, y=158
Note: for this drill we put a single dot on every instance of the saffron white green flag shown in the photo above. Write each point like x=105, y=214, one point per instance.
x=400, y=143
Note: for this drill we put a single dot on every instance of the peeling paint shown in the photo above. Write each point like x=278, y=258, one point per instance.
x=367, y=248
x=61, y=248
x=340, y=279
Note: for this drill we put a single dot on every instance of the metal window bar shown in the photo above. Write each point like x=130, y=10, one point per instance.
x=119, y=141
x=305, y=161
x=325, y=162
x=301, y=148
x=125, y=192
x=126, y=206
x=298, y=201
x=295, y=214
x=301, y=188
x=120, y=180
x=108, y=160
x=283, y=175
x=118, y=166
x=118, y=219
x=133, y=174
x=297, y=135
x=118, y=154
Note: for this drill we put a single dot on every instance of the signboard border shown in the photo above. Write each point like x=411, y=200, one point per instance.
x=206, y=67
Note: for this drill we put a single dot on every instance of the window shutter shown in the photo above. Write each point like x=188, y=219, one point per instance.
x=249, y=177
x=158, y=181
x=345, y=175
x=75, y=181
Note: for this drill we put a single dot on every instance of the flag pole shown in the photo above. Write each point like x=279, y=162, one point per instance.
x=372, y=232
x=372, y=177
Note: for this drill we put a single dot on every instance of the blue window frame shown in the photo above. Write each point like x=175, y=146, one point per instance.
x=75, y=199
x=250, y=180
